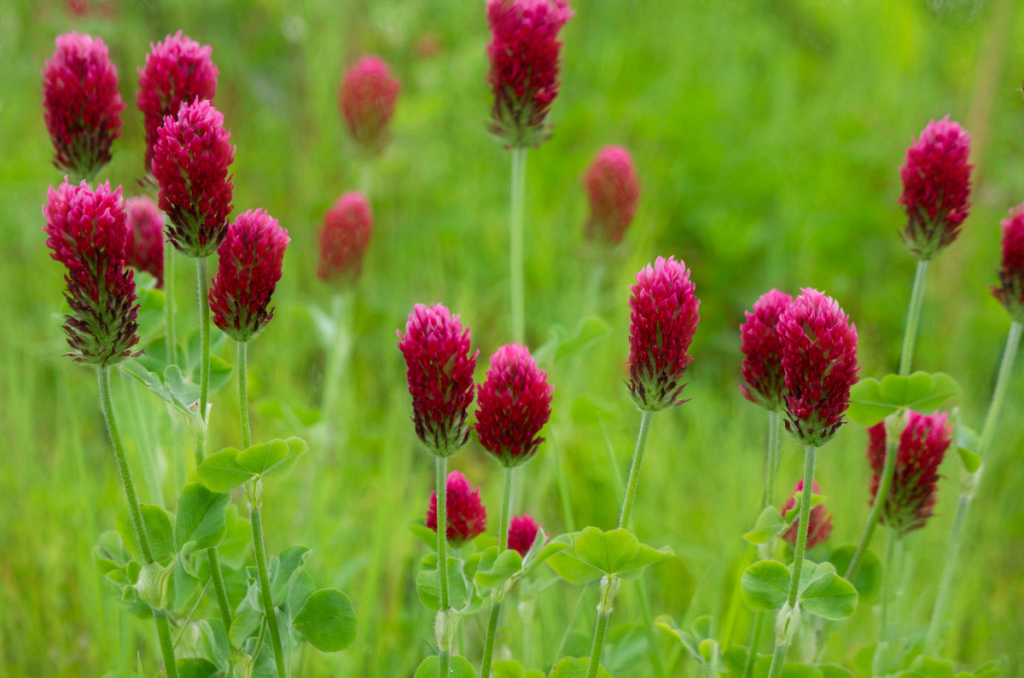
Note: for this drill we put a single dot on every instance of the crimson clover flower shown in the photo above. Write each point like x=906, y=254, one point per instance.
x=523, y=54
x=614, y=191
x=81, y=103
x=819, y=524
x=87, y=232
x=465, y=513
x=190, y=162
x=439, y=369
x=936, y=187
x=344, y=238
x=1010, y=293
x=913, y=493
x=522, y=532
x=144, y=244
x=662, y=322
x=178, y=70
x=819, y=359
x=248, y=268
x=367, y=100
x=764, y=383
x=515, y=403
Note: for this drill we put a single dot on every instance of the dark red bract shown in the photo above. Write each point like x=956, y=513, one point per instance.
x=465, y=513
x=614, y=192
x=344, y=238
x=522, y=532
x=1010, y=293
x=762, y=351
x=819, y=523
x=367, y=100
x=144, y=245
x=515, y=403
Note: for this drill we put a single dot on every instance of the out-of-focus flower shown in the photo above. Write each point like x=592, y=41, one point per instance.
x=762, y=350
x=819, y=524
x=515, y=403
x=1010, y=293
x=614, y=191
x=82, y=106
x=662, y=322
x=344, y=238
x=144, y=245
x=522, y=532
x=86, y=232
x=367, y=100
x=465, y=513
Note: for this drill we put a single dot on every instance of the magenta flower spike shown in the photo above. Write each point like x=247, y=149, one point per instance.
x=764, y=383
x=440, y=375
x=614, y=192
x=523, y=54
x=87, y=232
x=819, y=359
x=190, y=162
x=1010, y=293
x=344, y=238
x=522, y=532
x=144, y=245
x=936, y=187
x=82, y=106
x=178, y=70
x=819, y=527
x=515, y=403
x=367, y=100
x=466, y=514
x=663, y=319
x=913, y=493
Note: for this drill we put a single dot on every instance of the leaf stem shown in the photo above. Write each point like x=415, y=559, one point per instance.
x=259, y=550
x=516, y=242
x=913, y=318
x=634, y=469
x=888, y=469
x=441, y=485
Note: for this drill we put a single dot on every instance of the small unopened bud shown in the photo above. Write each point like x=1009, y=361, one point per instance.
x=786, y=623
x=254, y=493
x=152, y=585
x=444, y=628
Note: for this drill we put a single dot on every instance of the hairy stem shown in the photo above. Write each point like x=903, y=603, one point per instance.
x=259, y=550
x=772, y=461
x=913, y=318
x=496, y=602
x=492, y=631
x=634, y=469
x=444, y=650
x=516, y=243
x=243, y=393
x=888, y=469
x=163, y=632
x=204, y=336
x=609, y=586
x=170, y=337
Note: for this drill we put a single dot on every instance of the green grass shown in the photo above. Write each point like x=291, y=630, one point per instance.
x=767, y=134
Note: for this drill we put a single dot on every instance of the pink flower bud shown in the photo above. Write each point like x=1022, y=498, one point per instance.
x=663, y=320
x=819, y=524
x=144, y=245
x=913, y=492
x=523, y=52
x=86, y=232
x=819, y=359
x=515, y=403
x=344, y=238
x=1011, y=276
x=522, y=532
x=936, y=187
x=248, y=268
x=82, y=106
x=466, y=515
x=614, y=191
x=367, y=100
x=762, y=350
x=440, y=374
x=178, y=70
x=190, y=162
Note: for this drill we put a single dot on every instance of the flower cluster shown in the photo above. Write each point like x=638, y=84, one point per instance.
x=439, y=369
x=662, y=322
x=465, y=514
x=522, y=532
x=87, y=232
x=144, y=245
x=1010, y=293
x=764, y=382
x=912, y=494
x=819, y=524
x=178, y=70
x=190, y=162
x=515, y=403
x=819, y=359
x=248, y=268
x=82, y=104
x=367, y=100
x=523, y=52
x=614, y=191
x=344, y=238
x=936, y=187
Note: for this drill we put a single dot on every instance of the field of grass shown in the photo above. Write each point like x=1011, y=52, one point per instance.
x=767, y=135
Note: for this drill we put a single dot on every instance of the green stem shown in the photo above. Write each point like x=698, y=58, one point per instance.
x=163, y=631
x=170, y=338
x=613, y=464
x=563, y=483
x=1002, y=383
x=516, y=243
x=337, y=361
x=506, y=505
x=496, y=602
x=609, y=585
x=888, y=579
x=634, y=469
x=204, y=337
x=492, y=631
x=243, y=393
x=259, y=551
x=755, y=639
x=913, y=318
x=443, y=646
x=888, y=469
x=652, y=639
x=772, y=462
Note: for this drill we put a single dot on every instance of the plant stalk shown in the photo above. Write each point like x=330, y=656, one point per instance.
x=444, y=649
x=609, y=585
x=634, y=469
x=888, y=469
x=516, y=243
x=259, y=550
x=913, y=318
x=163, y=632
x=170, y=337
x=243, y=393
x=497, y=601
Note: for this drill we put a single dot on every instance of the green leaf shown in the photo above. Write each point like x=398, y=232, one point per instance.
x=151, y=311
x=943, y=388
x=510, y=668
x=184, y=586
x=183, y=391
x=302, y=587
x=867, y=407
x=428, y=587
x=684, y=638
x=138, y=371
x=591, y=329
x=283, y=468
x=589, y=410
x=575, y=667
x=110, y=552
x=195, y=667
x=262, y=456
x=872, y=400
x=767, y=526
x=158, y=531
x=221, y=472
x=247, y=620
x=609, y=551
x=834, y=671
x=327, y=621
x=506, y=564
x=216, y=638
x=645, y=557
x=765, y=585
x=290, y=563
x=458, y=667
x=200, y=520
x=238, y=539
x=570, y=568
x=903, y=391
x=533, y=559
x=826, y=594
x=868, y=577
x=220, y=373
x=931, y=667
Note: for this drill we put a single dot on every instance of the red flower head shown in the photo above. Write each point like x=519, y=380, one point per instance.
x=614, y=192
x=190, y=162
x=86, y=232
x=344, y=238
x=367, y=100
x=523, y=52
x=178, y=70
x=661, y=326
x=440, y=374
x=81, y=103
x=466, y=515
x=819, y=359
x=515, y=403
x=762, y=351
x=912, y=494
x=248, y=268
x=1011, y=293
x=936, y=187
x=819, y=525
x=144, y=245
x=522, y=532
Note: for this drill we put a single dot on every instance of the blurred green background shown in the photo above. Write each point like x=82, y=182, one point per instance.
x=767, y=135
